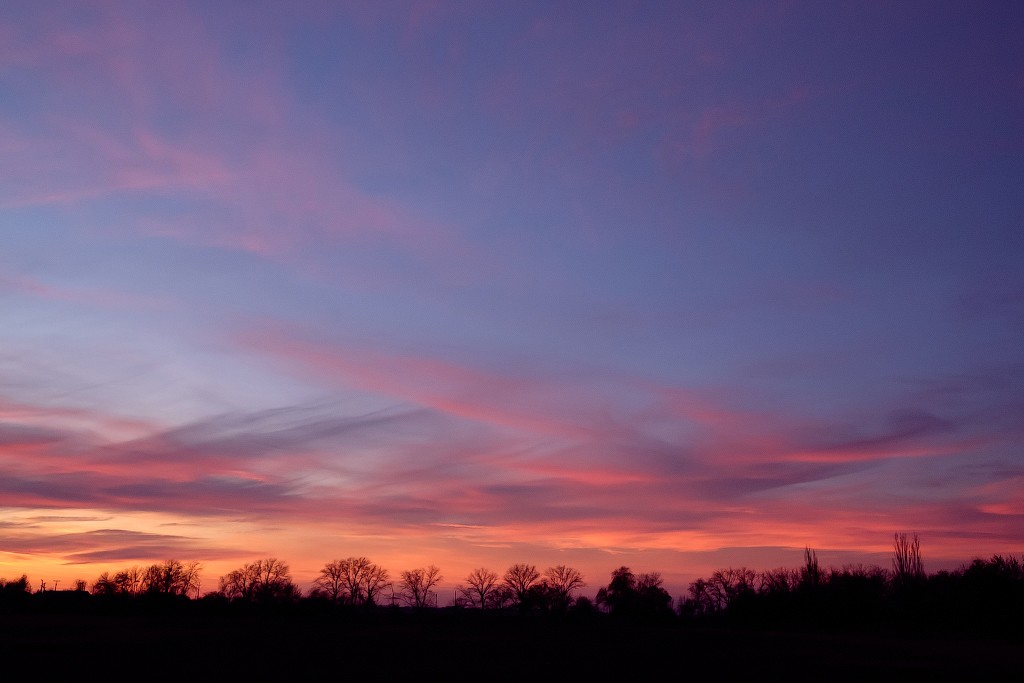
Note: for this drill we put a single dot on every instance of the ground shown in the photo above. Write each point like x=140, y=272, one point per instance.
x=256, y=647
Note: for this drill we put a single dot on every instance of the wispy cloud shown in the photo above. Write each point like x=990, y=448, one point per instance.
x=103, y=545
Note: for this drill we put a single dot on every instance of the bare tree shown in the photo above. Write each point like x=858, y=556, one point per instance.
x=365, y=580
x=331, y=582
x=238, y=584
x=701, y=600
x=171, y=577
x=130, y=580
x=906, y=559
x=563, y=581
x=190, y=578
x=811, y=574
x=520, y=578
x=375, y=581
x=104, y=585
x=417, y=585
x=726, y=585
x=649, y=580
x=501, y=597
x=273, y=580
x=261, y=581
x=481, y=584
x=353, y=581
x=781, y=580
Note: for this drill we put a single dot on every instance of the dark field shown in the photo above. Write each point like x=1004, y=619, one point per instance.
x=450, y=646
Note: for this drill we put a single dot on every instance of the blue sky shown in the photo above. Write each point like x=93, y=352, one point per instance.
x=671, y=285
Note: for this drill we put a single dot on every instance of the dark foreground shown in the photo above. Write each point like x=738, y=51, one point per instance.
x=439, y=646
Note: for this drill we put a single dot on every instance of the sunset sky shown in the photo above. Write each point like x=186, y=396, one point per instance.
x=671, y=285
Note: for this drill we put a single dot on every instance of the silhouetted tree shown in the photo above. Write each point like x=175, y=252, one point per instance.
x=728, y=585
x=330, y=583
x=699, y=601
x=906, y=560
x=778, y=581
x=519, y=579
x=267, y=580
x=542, y=598
x=811, y=575
x=238, y=584
x=130, y=580
x=104, y=585
x=15, y=587
x=563, y=581
x=988, y=594
x=856, y=594
x=583, y=605
x=353, y=581
x=501, y=597
x=480, y=586
x=368, y=580
x=654, y=599
x=619, y=591
x=631, y=595
x=998, y=569
x=14, y=593
x=417, y=585
x=171, y=577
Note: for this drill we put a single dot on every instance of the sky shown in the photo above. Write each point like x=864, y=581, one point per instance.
x=671, y=285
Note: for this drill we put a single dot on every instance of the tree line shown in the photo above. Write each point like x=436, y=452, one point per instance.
x=984, y=591
x=359, y=582
x=984, y=595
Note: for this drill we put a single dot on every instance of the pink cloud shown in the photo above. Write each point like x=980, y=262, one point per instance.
x=720, y=436
x=262, y=189
x=565, y=477
x=469, y=498
x=868, y=453
x=66, y=170
x=1001, y=498
x=440, y=385
x=74, y=418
